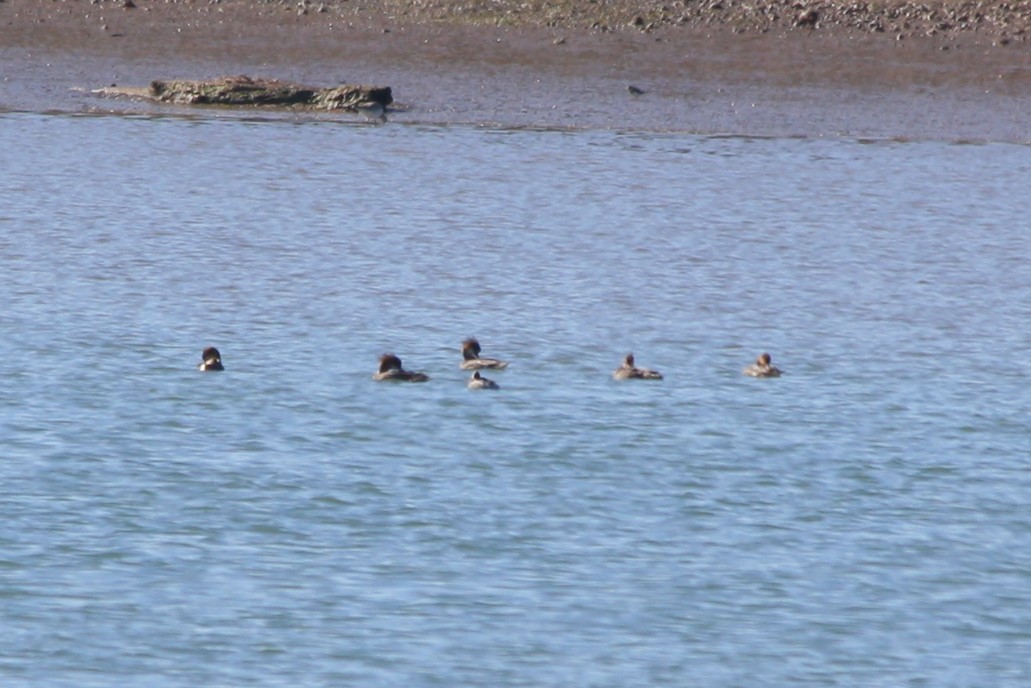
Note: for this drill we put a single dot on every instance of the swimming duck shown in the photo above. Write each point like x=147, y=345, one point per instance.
x=210, y=360
x=471, y=357
x=628, y=371
x=390, y=369
x=762, y=367
x=478, y=382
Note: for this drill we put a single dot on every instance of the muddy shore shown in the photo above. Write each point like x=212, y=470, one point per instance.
x=948, y=70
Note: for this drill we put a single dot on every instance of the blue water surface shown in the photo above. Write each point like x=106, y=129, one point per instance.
x=863, y=520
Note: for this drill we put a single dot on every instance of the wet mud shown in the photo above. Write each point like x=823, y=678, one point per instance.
x=629, y=72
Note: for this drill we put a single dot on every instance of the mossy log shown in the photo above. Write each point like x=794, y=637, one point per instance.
x=243, y=91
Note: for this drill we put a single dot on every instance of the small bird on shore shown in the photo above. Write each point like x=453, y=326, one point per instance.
x=210, y=360
x=634, y=90
x=391, y=369
x=628, y=371
x=479, y=382
x=762, y=367
x=372, y=111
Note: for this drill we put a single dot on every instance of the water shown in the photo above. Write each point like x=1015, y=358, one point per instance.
x=862, y=520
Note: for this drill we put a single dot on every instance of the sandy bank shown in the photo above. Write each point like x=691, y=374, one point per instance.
x=769, y=68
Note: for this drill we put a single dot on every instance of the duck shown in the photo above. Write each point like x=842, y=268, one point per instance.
x=471, y=357
x=211, y=360
x=628, y=371
x=390, y=368
x=479, y=382
x=762, y=367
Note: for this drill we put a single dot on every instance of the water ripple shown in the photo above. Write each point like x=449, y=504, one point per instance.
x=860, y=521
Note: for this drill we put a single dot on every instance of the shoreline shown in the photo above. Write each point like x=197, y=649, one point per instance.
x=710, y=75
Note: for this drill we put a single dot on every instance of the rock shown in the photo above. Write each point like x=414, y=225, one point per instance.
x=808, y=18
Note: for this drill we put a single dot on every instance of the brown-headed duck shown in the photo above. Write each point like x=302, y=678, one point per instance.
x=390, y=368
x=628, y=371
x=479, y=382
x=762, y=367
x=471, y=357
x=211, y=359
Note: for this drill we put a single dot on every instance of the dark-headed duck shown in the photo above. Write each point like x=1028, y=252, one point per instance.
x=628, y=371
x=479, y=382
x=471, y=357
x=210, y=360
x=390, y=369
x=762, y=367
